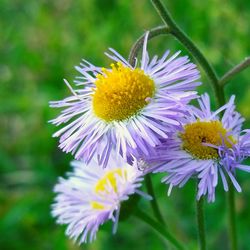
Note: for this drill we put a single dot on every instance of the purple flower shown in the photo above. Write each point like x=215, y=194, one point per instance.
x=126, y=108
x=92, y=195
x=206, y=147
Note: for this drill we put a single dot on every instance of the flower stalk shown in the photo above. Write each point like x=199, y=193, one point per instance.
x=220, y=98
x=232, y=217
x=154, y=203
x=158, y=228
x=234, y=71
x=201, y=223
x=161, y=30
x=190, y=46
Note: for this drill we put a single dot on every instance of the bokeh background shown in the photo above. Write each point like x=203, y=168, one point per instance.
x=40, y=42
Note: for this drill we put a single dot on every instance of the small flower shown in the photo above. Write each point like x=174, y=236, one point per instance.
x=206, y=147
x=126, y=108
x=92, y=195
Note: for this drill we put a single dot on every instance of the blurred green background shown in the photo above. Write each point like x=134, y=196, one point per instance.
x=40, y=42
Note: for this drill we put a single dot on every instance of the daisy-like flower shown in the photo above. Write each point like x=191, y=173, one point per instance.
x=127, y=108
x=206, y=147
x=92, y=195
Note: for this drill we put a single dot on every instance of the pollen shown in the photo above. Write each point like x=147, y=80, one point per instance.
x=109, y=180
x=198, y=133
x=121, y=92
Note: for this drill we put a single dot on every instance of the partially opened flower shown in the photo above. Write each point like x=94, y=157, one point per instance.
x=92, y=195
x=206, y=147
x=127, y=108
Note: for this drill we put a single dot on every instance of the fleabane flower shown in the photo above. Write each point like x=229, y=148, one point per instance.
x=124, y=107
x=91, y=195
x=206, y=147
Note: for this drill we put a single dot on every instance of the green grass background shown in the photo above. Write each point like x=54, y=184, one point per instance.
x=40, y=42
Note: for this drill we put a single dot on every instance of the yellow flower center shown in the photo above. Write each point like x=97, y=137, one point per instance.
x=121, y=92
x=109, y=179
x=198, y=133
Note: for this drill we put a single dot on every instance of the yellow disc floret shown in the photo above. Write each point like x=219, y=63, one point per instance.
x=109, y=178
x=121, y=92
x=196, y=134
x=97, y=205
x=103, y=185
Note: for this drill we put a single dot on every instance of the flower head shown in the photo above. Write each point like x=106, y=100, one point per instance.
x=124, y=107
x=92, y=195
x=206, y=147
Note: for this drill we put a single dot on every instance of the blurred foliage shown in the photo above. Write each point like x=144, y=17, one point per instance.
x=41, y=41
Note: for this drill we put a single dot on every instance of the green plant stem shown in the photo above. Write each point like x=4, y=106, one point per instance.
x=161, y=30
x=159, y=228
x=190, y=46
x=230, y=197
x=230, y=201
x=232, y=219
x=153, y=203
x=201, y=223
x=218, y=90
x=234, y=71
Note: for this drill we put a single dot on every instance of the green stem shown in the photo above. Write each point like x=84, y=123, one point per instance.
x=161, y=30
x=159, y=228
x=231, y=202
x=218, y=90
x=201, y=223
x=153, y=203
x=232, y=219
x=222, y=99
x=230, y=198
x=234, y=71
x=192, y=48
